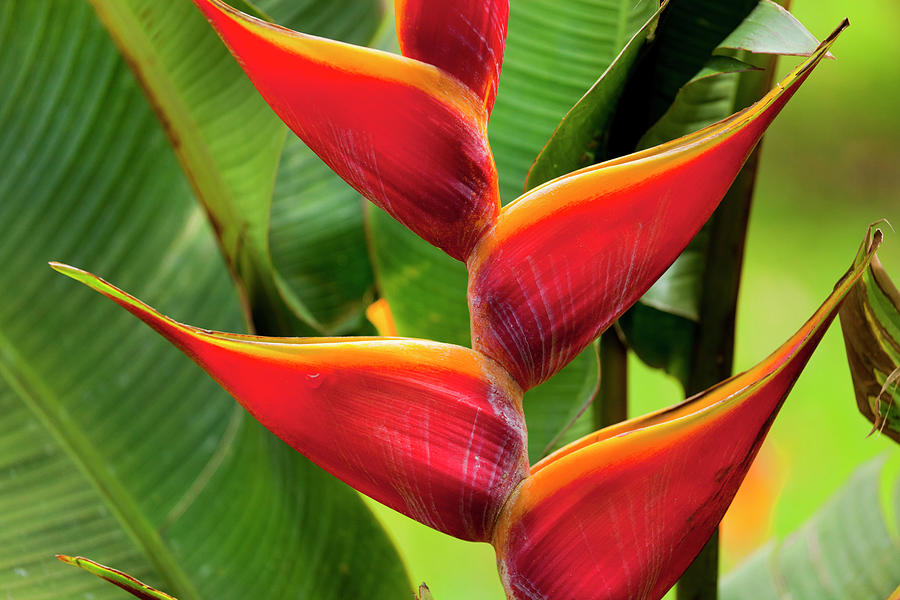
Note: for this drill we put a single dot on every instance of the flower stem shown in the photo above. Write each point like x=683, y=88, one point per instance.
x=611, y=405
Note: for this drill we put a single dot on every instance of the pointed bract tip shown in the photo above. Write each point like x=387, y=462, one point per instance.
x=63, y=267
x=69, y=560
x=80, y=275
x=827, y=42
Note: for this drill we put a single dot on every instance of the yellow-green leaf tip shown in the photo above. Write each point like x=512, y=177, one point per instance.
x=73, y=272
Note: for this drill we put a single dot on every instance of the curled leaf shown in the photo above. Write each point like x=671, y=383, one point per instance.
x=463, y=37
x=117, y=578
x=432, y=430
x=417, y=146
x=870, y=322
x=631, y=505
x=771, y=29
x=564, y=260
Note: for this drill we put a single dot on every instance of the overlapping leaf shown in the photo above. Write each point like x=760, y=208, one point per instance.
x=716, y=91
x=574, y=143
x=870, y=321
x=684, y=42
x=848, y=549
x=135, y=458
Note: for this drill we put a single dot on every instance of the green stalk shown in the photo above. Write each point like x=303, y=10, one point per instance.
x=611, y=405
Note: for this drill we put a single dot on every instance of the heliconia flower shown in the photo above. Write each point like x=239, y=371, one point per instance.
x=622, y=512
x=408, y=135
x=566, y=259
x=432, y=430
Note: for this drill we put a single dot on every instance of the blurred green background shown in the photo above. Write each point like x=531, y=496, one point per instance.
x=830, y=166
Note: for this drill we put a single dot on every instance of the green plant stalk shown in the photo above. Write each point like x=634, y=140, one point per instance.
x=712, y=357
x=611, y=405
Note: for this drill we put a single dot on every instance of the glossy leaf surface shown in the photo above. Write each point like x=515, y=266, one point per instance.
x=567, y=258
x=434, y=173
x=432, y=430
x=870, y=321
x=462, y=37
x=572, y=145
x=631, y=505
x=848, y=549
x=542, y=79
x=771, y=29
x=118, y=578
x=229, y=143
x=690, y=32
x=317, y=241
x=136, y=457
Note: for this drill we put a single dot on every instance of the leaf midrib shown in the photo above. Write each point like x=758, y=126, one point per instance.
x=190, y=147
x=45, y=405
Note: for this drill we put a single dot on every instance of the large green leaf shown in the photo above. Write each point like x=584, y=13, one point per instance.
x=573, y=144
x=318, y=242
x=316, y=234
x=553, y=54
x=353, y=21
x=686, y=37
x=849, y=549
x=229, y=143
x=112, y=444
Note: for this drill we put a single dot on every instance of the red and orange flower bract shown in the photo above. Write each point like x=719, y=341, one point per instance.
x=406, y=134
x=434, y=431
x=437, y=431
x=565, y=260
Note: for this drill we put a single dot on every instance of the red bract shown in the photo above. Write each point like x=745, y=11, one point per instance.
x=432, y=430
x=410, y=137
x=569, y=257
x=626, y=509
